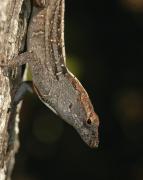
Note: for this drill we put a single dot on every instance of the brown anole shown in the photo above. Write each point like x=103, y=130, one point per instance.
x=55, y=85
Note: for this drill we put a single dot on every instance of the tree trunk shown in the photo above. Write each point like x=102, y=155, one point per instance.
x=14, y=16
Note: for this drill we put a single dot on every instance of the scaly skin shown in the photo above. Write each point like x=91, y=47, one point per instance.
x=55, y=85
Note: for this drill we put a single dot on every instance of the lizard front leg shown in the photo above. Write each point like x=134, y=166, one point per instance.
x=26, y=86
x=16, y=61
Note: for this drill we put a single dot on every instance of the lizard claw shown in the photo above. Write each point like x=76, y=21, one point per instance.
x=9, y=70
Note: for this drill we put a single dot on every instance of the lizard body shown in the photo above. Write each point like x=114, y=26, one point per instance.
x=55, y=85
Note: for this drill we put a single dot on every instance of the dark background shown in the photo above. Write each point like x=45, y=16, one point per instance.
x=104, y=46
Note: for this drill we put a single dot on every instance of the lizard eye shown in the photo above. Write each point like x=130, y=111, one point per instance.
x=70, y=106
x=89, y=121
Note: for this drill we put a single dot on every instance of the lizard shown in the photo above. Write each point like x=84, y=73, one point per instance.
x=54, y=84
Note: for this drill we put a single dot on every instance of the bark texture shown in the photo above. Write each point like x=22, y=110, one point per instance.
x=14, y=16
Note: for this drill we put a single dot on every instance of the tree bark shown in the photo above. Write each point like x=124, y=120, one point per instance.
x=14, y=16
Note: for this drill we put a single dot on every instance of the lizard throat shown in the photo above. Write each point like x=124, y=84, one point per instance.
x=42, y=100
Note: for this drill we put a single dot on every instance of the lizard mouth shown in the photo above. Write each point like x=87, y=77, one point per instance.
x=94, y=143
x=90, y=138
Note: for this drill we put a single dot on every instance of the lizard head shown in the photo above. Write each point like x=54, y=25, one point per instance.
x=79, y=112
x=87, y=126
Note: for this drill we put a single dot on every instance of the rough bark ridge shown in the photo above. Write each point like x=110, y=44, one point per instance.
x=14, y=16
